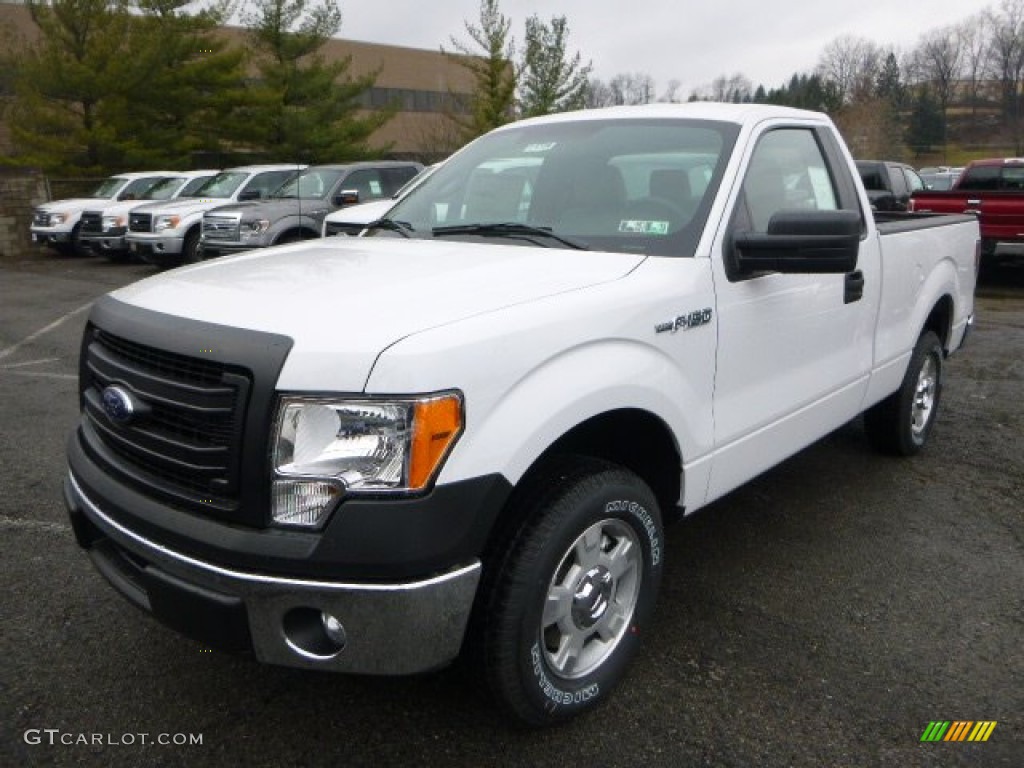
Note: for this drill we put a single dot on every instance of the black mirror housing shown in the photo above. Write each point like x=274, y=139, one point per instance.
x=801, y=242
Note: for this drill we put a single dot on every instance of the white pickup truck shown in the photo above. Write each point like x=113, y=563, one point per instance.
x=58, y=223
x=466, y=428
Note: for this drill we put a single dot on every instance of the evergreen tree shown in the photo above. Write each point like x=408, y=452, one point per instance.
x=305, y=108
x=889, y=84
x=549, y=80
x=62, y=85
x=925, y=127
x=489, y=57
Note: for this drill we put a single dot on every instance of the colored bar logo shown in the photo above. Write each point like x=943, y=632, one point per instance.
x=958, y=730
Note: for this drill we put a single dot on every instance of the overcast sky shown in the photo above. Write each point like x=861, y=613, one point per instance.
x=693, y=41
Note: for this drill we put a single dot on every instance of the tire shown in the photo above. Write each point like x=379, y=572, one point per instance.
x=561, y=613
x=77, y=247
x=900, y=424
x=190, y=253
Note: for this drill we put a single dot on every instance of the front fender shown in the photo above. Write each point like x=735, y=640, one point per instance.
x=576, y=386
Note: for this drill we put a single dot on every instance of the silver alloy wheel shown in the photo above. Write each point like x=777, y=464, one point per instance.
x=591, y=598
x=924, y=397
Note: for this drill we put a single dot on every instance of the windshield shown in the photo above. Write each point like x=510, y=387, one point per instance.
x=223, y=185
x=164, y=190
x=633, y=186
x=108, y=187
x=311, y=184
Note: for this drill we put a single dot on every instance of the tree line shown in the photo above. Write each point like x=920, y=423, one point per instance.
x=113, y=84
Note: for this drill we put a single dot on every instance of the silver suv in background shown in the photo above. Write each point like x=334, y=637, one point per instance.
x=296, y=211
x=167, y=234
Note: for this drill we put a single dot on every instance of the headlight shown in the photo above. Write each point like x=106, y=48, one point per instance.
x=326, y=448
x=254, y=228
x=57, y=218
x=112, y=222
x=160, y=223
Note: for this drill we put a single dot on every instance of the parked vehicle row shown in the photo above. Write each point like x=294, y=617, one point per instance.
x=170, y=218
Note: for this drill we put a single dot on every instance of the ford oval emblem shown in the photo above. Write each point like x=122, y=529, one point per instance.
x=118, y=404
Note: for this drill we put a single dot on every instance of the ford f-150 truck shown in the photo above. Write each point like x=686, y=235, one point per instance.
x=296, y=211
x=993, y=190
x=104, y=229
x=466, y=428
x=167, y=234
x=58, y=223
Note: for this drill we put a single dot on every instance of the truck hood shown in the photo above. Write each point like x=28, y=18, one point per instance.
x=184, y=206
x=344, y=300
x=75, y=204
x=276, y=209
x=363, y=213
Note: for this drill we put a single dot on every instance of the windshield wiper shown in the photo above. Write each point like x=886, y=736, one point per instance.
x=401, y=227
x=509, y=229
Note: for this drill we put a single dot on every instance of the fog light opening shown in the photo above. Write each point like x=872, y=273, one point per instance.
x=313, y=633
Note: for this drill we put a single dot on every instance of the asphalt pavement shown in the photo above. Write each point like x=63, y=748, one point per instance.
x=823, y=615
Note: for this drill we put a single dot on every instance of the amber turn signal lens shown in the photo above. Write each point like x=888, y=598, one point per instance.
x=436, y=425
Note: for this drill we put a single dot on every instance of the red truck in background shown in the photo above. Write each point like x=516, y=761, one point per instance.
x=993, y=190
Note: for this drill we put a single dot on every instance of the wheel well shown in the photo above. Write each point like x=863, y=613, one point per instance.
x=631, y=438
x=295, y=234
x=940, y=321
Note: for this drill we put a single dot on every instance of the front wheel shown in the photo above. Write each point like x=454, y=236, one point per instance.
x=901, y=423
x=562, y=614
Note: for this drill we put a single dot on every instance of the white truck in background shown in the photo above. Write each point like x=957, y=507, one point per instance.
x=57, y=224
x=464, y=430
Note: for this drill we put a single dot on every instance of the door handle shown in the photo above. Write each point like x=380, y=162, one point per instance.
x=853, y=287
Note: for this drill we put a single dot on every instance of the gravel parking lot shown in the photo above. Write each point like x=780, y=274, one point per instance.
x=822, y=615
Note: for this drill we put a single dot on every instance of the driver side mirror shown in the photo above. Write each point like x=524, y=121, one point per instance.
x=346, y=197
x=801, y=242
x=251, y=194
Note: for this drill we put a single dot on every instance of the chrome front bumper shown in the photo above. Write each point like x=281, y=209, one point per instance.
x=388, y=629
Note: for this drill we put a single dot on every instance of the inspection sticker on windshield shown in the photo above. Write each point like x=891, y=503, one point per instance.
x=540, y=147
x=640, y=227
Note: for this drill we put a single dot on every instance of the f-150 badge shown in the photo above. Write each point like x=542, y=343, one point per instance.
x=695, y=319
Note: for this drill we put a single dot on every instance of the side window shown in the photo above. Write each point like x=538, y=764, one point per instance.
x=395, y=178
x=1013, y=178
x=366, y=182
x=899, y=182
x=913, y=180
x=268, y=182
x=980, y=177
x=787, y=172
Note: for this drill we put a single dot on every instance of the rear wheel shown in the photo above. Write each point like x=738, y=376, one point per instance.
x=560, y=616
x=901, y=423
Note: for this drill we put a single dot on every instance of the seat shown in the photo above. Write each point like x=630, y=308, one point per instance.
x=595, y=202
x=672, y=184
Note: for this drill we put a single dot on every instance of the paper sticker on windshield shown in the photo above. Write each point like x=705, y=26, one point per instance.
x=540, y=147
x=640, y=227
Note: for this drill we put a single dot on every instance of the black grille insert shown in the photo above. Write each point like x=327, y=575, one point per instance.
x=183, y=445
x=140, y=222
x=92, y=221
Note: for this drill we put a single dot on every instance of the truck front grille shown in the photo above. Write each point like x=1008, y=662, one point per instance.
x=182, y=445
x=92, y=221
x=220, y=228
x=140, y=222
